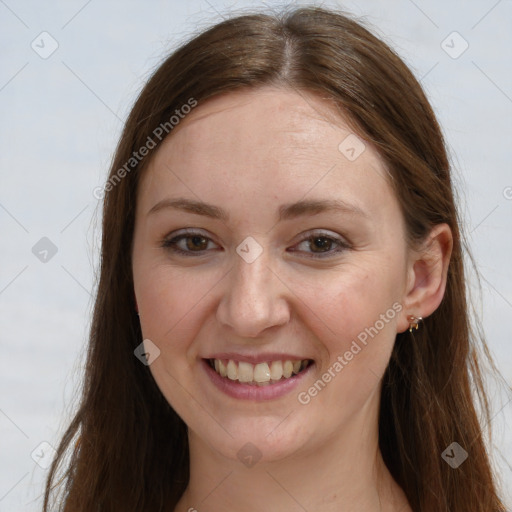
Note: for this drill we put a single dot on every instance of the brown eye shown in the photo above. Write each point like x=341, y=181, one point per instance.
x=196, y=242
x=321, y=246
x=192, y=244
x=321, y=242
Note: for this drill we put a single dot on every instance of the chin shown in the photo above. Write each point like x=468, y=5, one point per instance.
x=265, y=439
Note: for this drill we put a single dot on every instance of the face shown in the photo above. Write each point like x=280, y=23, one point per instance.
x=267, y=243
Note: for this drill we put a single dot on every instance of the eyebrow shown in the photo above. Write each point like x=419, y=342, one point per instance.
x=285, y=212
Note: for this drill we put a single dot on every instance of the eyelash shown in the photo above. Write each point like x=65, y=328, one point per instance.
x=171, y=244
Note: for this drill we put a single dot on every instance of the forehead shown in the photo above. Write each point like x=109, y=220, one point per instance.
x=266, y=121
x=263, y=143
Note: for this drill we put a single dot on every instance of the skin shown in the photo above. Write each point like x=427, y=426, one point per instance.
x=250, y=152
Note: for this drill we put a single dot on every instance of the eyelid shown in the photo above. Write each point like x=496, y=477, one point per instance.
x=319, y=232
x=341, y=242
x=170, y=242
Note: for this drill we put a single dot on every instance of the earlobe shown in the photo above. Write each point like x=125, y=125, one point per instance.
x=427, y=276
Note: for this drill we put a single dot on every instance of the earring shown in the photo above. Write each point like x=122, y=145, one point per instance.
x=414, y=322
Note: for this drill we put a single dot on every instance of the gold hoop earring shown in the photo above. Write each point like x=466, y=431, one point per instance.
x=414, y=322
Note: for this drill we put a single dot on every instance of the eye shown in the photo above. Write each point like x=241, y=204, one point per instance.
x=188, y=244
x=323, y=245
x=193, y=243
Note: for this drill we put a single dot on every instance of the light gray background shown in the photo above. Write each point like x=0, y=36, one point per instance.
x=60, y=120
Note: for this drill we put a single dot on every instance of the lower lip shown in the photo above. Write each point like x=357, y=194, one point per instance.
x=243, y=391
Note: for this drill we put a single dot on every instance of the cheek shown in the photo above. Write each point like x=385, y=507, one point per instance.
x=172, y=306
x=347, y=301
x=170, y=302
x=358, y=313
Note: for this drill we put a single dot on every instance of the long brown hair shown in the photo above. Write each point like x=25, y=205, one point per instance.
x=126, y=449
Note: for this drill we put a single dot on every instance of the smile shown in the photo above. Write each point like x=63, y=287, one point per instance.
x=261, y=374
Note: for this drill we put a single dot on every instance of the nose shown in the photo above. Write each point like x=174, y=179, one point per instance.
x=254, y=298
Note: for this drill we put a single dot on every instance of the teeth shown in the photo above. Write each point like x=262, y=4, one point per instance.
x=232, y=370
x=287, y=369
x=245, y=372
x=276, y=370
x=260, y=374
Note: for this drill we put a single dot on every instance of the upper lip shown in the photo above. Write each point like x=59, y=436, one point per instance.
x=257, y=358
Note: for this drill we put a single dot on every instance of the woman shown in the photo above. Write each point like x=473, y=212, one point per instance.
x=281, y=321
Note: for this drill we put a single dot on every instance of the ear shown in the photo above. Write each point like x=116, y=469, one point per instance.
x=427, y=271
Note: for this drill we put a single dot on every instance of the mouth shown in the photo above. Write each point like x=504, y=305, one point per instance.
x=260, y=374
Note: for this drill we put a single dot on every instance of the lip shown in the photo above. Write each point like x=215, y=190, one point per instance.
x=257, y=358
x=244, y=391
